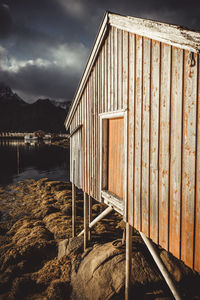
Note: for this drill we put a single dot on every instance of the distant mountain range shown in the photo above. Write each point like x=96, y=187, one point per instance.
x=19, y=116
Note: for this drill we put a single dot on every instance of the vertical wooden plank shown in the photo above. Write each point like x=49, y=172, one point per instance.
x=83, y=139
x=137, y=156
x=175, y=150
x=97, y=153
x=79, y=147
x=106, y=75
x=97, y=103
x=86, y=141
x=112, y=68
x=74, y=122
x=90, y=132
x=88, y=157
x=189, y=156
x=165, y=84
x=103, y=79
x=131, y=125
x=108, y=72
x=81, y=109
x=93, y=94
x=70, y=140
x=72, y=127
x=154, y=148
x=99, y=82
x=125, y=70
x=115, y=58
x=197, y=208
x=72, y=152
x=120, y=58
x=145, y=134
x=95, y=97
x=75, y=117
x=125, y=106
x=77, y=113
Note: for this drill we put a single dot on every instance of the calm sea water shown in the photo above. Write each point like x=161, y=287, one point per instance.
x=20, y=161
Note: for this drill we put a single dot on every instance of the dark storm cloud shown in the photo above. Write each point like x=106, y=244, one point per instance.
x=56, y=76
x=45, y=44
x=184, y=13
x=5, y=21
x=46, y=82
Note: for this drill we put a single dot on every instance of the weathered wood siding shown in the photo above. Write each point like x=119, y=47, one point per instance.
x=161, y=91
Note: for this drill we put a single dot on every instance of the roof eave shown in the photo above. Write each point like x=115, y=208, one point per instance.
x=170, y=34
x=95, y=50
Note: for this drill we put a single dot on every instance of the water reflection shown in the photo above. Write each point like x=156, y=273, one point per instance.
x=20, y=161
x=12, y=143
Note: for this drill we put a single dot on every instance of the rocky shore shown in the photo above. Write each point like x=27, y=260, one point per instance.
x=38, y=260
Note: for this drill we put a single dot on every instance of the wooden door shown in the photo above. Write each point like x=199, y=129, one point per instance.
x=116, y=156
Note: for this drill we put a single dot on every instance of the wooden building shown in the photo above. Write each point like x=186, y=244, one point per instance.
x=135, y=130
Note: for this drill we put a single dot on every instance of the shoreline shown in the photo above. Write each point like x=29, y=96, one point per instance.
x=35, y=215
x=35, y=221
x=59, y=142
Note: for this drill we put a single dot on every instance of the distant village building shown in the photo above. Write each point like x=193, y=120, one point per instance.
x=135, y=132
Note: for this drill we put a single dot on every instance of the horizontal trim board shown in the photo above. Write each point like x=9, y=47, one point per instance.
x=113, y=201
x=113, y=114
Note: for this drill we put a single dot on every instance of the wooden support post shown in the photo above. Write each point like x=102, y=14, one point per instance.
x=161, y=267
x=90, y=217
x=73, y=210
x=128, y=260
x=98, y=218
x=86, y=220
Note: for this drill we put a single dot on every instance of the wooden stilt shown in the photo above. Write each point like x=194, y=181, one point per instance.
x=90, y=217
x=73, y=210
x=86, y=220
x=128, y=260
x=161, y=267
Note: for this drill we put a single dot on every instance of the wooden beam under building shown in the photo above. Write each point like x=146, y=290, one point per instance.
x=128, y=260
x=86, y=220
x=90, y=217
x=98, y=218
x=73, y=210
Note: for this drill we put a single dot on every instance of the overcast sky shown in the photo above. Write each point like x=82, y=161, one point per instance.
x=44, y=44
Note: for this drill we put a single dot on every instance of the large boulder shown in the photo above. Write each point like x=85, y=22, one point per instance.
x=100, y=274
